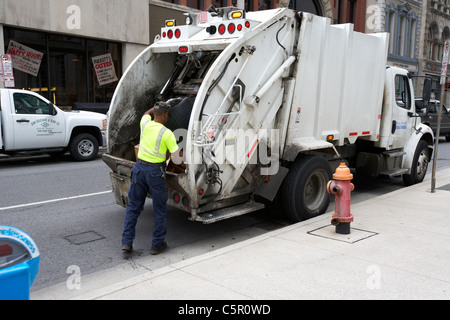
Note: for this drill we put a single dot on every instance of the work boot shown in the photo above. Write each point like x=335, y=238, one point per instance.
x=127, y=250
x=155, y=251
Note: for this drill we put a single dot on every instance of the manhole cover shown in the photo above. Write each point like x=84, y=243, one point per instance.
x=355, y=235
x=85, y=237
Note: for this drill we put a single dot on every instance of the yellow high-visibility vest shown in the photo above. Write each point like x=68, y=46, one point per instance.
x=155, y=141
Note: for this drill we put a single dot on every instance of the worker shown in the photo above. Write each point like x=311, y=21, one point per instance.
x=148, y=175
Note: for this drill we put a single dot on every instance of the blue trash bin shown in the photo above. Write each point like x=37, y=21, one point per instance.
x=19, y=264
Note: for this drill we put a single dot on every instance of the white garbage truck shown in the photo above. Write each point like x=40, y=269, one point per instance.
x=268, y=104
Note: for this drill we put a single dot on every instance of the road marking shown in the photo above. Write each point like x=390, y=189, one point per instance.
x=54, y=200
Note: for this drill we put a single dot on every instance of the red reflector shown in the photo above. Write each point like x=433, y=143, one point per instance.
x=5, y=250
x=247, y=24
x=201, y=192
x=222, y=29
x=352, y=134
x=176, y=198
x=164, y=34
x=366, y=133
x=239, y=27
x=177, y=33
x=183, y=49
x=170, y=34
x=231, y=28
x=253, y=149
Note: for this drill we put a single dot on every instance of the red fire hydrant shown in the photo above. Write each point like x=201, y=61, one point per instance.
x=342, y=188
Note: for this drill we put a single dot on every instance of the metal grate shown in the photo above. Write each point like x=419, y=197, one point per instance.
x=85, y=237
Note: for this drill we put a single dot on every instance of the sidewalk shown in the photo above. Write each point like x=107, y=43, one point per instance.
x=399, y=248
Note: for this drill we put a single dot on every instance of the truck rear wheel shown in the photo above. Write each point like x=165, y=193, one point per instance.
x=83, y=147
x=304, y=192
x=419, y=165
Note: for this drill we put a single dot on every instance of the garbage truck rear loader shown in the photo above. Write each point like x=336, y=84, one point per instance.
x=270, y=102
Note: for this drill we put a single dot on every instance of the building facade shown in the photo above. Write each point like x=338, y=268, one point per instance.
x=58, y=42
x=436, y=30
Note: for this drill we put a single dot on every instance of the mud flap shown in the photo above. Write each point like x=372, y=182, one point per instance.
x=120, y=185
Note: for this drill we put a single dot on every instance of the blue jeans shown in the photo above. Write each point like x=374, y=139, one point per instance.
x=144, y=179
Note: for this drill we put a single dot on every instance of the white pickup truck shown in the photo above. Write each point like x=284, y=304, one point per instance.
x=29, y=122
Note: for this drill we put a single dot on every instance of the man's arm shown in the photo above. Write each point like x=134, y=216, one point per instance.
x=150, y=113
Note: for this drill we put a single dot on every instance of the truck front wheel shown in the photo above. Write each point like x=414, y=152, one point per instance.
x=83, y=147
x=304, y=192
x=419, y=165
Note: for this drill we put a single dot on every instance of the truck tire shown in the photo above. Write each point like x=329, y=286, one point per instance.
x=83, y=147
x=304, y=192
x=419, y=165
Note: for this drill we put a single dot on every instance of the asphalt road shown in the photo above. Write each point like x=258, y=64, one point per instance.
x=68, y=209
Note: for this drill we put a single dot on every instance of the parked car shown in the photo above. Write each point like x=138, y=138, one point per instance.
x=430, y=116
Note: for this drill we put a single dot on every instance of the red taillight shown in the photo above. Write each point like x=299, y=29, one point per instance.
x=5, y=250
x=231, y=28
x=239, y=27
x=222, y=29
x=201, y=192
x=176, y=198
x=163, y=34
x=170, y=34
x=183, y=49
x=177, y=33
x=247, y=24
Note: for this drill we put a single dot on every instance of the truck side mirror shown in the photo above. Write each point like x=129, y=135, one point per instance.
x=426, y=94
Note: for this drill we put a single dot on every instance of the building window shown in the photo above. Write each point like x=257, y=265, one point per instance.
x=311, y=6
x=433, y=42
x=265, y=4
x=390, y=26
x=66, y=74
x=401, y=23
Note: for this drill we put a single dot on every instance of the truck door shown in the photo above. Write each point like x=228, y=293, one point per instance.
x=402, y=123
x=34, y=126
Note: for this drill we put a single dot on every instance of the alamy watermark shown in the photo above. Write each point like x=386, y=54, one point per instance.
x=373, y=281
x=74, y=20
x=375, y=15
x=238, y=147
x=73, y=282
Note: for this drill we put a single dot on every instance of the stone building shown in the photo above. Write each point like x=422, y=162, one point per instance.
x=436, y=30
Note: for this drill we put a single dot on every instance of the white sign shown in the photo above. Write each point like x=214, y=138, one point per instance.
x=445, y=61
x=9, y=82
x=24, y=58
x=6, y=62
x=6, y=71
x=104, y=68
